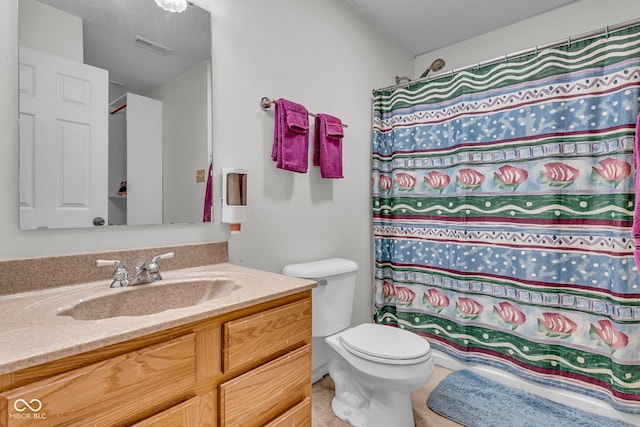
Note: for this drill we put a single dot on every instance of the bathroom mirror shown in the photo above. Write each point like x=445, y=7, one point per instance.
x=115, y=113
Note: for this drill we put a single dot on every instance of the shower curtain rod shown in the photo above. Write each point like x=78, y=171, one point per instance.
x=606, y=30
x=266, y=103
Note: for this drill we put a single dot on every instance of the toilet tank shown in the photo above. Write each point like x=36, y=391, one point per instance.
x=332, y=299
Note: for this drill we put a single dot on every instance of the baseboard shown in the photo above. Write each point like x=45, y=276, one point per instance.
x=319, y=372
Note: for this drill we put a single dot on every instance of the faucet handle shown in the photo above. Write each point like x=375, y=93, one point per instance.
x=163, y=256
x=107, y=262
x=154, y=268
x=120, y=274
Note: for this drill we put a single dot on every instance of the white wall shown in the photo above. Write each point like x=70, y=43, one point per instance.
x=322, y=54
x=580, y=17
x=50, y=30
x=185, y=142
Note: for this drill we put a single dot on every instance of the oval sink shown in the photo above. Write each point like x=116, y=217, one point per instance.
x=149, y=299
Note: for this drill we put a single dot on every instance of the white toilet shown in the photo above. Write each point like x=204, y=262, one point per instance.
x=374, y=367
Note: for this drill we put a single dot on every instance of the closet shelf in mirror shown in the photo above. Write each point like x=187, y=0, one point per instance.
x=119, y=107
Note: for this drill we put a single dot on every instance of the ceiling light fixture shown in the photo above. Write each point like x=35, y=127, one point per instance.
x=172, y=5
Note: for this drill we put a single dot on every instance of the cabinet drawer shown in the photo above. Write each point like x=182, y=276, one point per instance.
x=113, y=391
x=298, y=416
x=252, y=339
x=260, y=395
x=196, y=412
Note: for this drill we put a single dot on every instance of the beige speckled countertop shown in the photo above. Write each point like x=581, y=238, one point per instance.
x=33, y=332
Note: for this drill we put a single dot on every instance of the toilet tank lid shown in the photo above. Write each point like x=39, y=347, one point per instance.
x=322, y=268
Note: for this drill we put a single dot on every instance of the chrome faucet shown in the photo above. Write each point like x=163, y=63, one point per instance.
x=145, y=273
x=150, y=271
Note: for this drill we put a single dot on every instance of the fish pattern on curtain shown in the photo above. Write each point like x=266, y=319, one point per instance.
x=503, y=202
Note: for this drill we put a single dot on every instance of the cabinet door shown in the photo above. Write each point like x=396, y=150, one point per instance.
x=260, y=395
x=114, y=391
x=196, y=412
x=298, y=416
x=252, y=339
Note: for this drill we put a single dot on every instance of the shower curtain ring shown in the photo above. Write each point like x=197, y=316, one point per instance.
x=606, y=31
x=536, y=52
x=506, y=58
x=569, y=42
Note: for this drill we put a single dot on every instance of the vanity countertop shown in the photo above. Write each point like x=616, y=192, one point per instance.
x=33, y=332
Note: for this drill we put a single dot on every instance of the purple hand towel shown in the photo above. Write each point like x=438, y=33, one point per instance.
x=290, y=148
x=208, y=196
x=327, y=146
x=636, y=215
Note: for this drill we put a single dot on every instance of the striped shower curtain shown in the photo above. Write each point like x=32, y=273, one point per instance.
x=503, y=204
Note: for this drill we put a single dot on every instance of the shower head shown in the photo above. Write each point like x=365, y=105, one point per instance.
x=435, y=66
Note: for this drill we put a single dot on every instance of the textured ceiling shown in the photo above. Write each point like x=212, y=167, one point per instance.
x=425, y=25
x=110, y=26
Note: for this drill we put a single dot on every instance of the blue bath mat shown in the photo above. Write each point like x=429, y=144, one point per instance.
x=474, y=401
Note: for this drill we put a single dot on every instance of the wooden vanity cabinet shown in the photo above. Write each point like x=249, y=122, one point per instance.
x=195, y=412
x=250, y=367
x=269, y=389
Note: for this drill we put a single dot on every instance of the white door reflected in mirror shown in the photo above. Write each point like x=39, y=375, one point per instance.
x=63, y=134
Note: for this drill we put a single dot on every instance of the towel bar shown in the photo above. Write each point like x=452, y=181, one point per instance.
x=266, y=103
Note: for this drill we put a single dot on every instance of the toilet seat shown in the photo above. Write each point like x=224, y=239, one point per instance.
x=385, y=344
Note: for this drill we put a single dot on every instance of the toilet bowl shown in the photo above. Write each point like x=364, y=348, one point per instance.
x=374, y=367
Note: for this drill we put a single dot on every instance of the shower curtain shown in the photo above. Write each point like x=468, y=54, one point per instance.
x=503, y=203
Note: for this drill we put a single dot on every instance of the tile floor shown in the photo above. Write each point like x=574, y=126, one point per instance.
x=424, y=417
